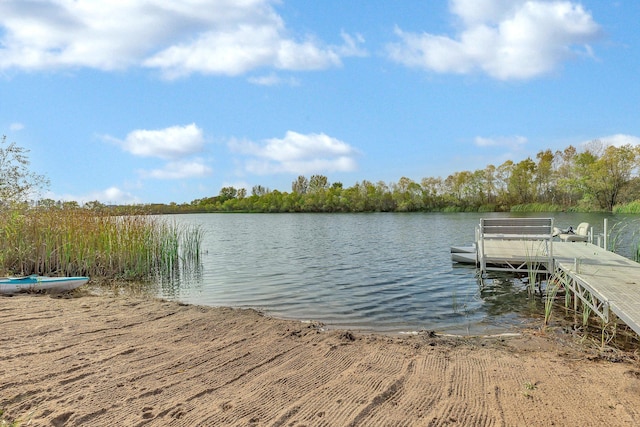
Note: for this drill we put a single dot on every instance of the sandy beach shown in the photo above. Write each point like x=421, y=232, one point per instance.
x=104, y=361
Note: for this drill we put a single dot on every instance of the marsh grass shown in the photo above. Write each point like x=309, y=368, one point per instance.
x=536, y=207
x=534, y=266
x=628, y=208
x=553, y=284
x=618, y=234
x=80, y=242
x=533, y=271
x=626, y=234
x=582, y=321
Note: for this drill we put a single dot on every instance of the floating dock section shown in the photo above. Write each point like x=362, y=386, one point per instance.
x=515, y=244
x=605, y=282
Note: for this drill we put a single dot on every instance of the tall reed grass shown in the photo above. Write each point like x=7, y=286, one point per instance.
x=626, y=234
x=554, y=284
x=628, y=208
x=80, y=242
x=536, y=207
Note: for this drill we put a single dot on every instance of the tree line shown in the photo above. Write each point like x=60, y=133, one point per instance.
x=597, y=178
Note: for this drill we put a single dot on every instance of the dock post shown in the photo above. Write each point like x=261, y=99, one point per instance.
x=606, y=234
x=575, y=307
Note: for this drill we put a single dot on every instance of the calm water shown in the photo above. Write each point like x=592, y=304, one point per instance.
x=385, y=272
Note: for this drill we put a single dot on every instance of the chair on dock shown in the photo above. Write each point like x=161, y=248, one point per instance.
x=515, y=244
x=581, y=234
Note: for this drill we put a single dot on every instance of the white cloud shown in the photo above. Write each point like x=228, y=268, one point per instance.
x=180, y=37
x=179, y=170
x=506, y=39
x=619, y=140
x=512, y=142
x=297, y=153
x=170, y=143
x=111, y=195
x=273, y=80
x=16, y=127
x=174, y=144
x=473, y=12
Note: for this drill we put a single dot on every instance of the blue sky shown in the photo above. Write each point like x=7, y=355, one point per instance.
x=146, y=101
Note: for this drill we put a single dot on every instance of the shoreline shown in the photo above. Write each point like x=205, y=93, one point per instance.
x=105, y=360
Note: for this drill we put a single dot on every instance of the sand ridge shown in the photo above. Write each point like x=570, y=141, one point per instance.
x=103, y=361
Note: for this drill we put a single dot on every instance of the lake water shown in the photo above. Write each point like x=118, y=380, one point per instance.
x=385, y=271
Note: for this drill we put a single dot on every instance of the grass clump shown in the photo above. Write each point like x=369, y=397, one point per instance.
x=81, y=242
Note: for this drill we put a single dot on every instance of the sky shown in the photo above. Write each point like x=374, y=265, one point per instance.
x=150, y=101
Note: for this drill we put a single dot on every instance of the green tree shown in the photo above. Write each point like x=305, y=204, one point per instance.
x=382, y=198
x=503, y=176
x=318, y=183
x=227, y=193
x=521, y=184
x=458, y=188
x=334, y=198
x=611, y=173
x=407, y=195
x=300, y=185
x=490, y=183
x=544, y=176
x=565, y=182
x=17, y=182
x=274, y=201
x=583, y=168
x=259, y=190
x=432, y=192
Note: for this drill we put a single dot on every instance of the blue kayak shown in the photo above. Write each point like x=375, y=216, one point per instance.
x=34, y=283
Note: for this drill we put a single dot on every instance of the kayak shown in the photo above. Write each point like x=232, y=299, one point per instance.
x=34, y=283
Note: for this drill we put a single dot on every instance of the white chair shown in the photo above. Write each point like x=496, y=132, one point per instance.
x=580, y=235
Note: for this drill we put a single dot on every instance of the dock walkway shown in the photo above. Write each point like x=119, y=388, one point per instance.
x=603, y=281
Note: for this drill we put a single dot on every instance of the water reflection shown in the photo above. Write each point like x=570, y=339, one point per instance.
x=174, y=281
x=505, y=293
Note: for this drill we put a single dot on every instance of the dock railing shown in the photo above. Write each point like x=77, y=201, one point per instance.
x=536, y=248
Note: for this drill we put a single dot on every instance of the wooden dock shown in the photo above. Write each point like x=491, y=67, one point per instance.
x=604, y=281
